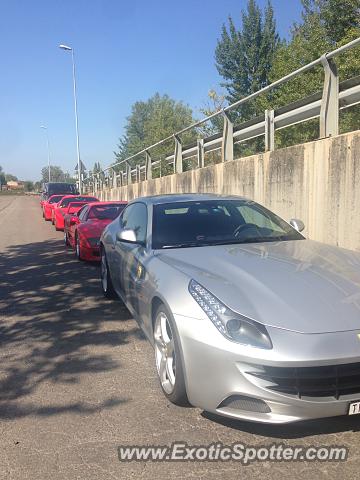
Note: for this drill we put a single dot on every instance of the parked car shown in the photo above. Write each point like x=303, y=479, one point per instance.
x=248, y=318
x=70, y=213
x=48, y=205
x=58, y=188
x=59, y=209
x=82, y=231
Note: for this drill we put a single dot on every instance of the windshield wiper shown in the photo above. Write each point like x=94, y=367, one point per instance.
x=188, y=245
x=232, y=241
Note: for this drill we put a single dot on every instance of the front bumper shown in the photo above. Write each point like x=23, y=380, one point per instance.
x=59, y=221
x=217, y=369
x=47, y=213
x=90, y=254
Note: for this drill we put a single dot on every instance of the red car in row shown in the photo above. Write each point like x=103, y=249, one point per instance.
x=82, y=231
x=60, y=208
x=48, y=205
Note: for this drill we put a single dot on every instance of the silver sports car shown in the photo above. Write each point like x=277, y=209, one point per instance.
x=247, y=317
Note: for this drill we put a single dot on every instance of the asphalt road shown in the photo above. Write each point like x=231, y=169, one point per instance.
x=77, y=379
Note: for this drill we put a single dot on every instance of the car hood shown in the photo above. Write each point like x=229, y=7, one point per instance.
x=302, y=285
x=94, y=228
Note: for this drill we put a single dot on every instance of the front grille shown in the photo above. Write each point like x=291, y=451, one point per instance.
x=325, y=381
x=242, y=402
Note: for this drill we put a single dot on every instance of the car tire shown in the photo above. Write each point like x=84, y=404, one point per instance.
x=168, y=359
x=105, y=278
x=66, y=240
x=77, y=248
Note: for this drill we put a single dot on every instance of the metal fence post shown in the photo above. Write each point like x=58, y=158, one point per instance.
x=128, y=174
x=114, y=179
x=148, y=166
x=227, y=150
x=329, y=111
x=138, y=173
x=269, y=131
x=200, y=153
x=178, y=163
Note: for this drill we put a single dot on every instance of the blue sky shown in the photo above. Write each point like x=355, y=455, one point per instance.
x=125, y=51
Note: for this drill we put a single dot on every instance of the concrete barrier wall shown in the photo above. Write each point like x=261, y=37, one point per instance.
x=318, y=182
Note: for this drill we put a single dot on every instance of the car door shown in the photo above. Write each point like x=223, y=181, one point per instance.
x=127, y=255
x=82, y=214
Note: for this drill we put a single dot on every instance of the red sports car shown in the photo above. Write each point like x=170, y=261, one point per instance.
x=59, y=209
x=82, y=232
x=48, y=205
x=70, y=212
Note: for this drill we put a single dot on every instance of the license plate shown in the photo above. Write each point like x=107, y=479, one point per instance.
x=354, y=408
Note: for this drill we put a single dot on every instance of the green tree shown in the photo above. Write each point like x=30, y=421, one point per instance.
x=315, y=35
x=244, y=56
x=56, y=175
x=97, y=167
x=149, y=122
x=2, y=178
x=10, y=178
x=28, y=186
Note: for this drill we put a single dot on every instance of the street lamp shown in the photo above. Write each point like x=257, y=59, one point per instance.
x=48, y=148
x=67, y=48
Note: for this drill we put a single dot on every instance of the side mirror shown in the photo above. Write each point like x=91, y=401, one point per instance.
x=127, y=236
x=74, y=220
x=297, y=224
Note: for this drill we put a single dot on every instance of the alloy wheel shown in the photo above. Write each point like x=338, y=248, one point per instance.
x=77, y=247
x=165, y=352
x=104, y=274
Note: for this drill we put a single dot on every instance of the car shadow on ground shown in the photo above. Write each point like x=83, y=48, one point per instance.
x=53, y=319
x=293, y=430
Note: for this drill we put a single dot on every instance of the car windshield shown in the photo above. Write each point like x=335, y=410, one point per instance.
x=65, y=202
x=217, y=222
x=55, y=198
x=68, y=188
x=105, y=212
x=74, y=206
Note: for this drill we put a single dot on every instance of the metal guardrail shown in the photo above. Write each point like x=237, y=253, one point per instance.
x=325, y=105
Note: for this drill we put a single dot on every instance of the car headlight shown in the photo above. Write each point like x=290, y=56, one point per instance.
x=232, y=325
x=93, y=242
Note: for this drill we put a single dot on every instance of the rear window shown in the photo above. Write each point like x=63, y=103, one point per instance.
x=65, y=202
x=73, y=206
x=56, y=199
x=68, y=188
x=106, y=212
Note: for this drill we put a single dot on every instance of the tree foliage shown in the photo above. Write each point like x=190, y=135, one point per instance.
x=10, y=178
x=2, y=177
x=56, y=175
x=244, y=56
x=246, y=67
x=149, y=122
x=316, y=35
x=28, y=186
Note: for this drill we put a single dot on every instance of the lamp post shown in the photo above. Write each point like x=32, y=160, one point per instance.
x=48, y=148
x=70, y=49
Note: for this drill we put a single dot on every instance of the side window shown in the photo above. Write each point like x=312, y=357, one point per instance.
x=82, y=213
x=252, y=215
x=134, y=218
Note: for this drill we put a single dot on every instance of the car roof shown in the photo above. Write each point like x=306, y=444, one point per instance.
x=77, y=196
x=109, y=202
x=185, y=197
x=78, y=202
x=56, y=195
